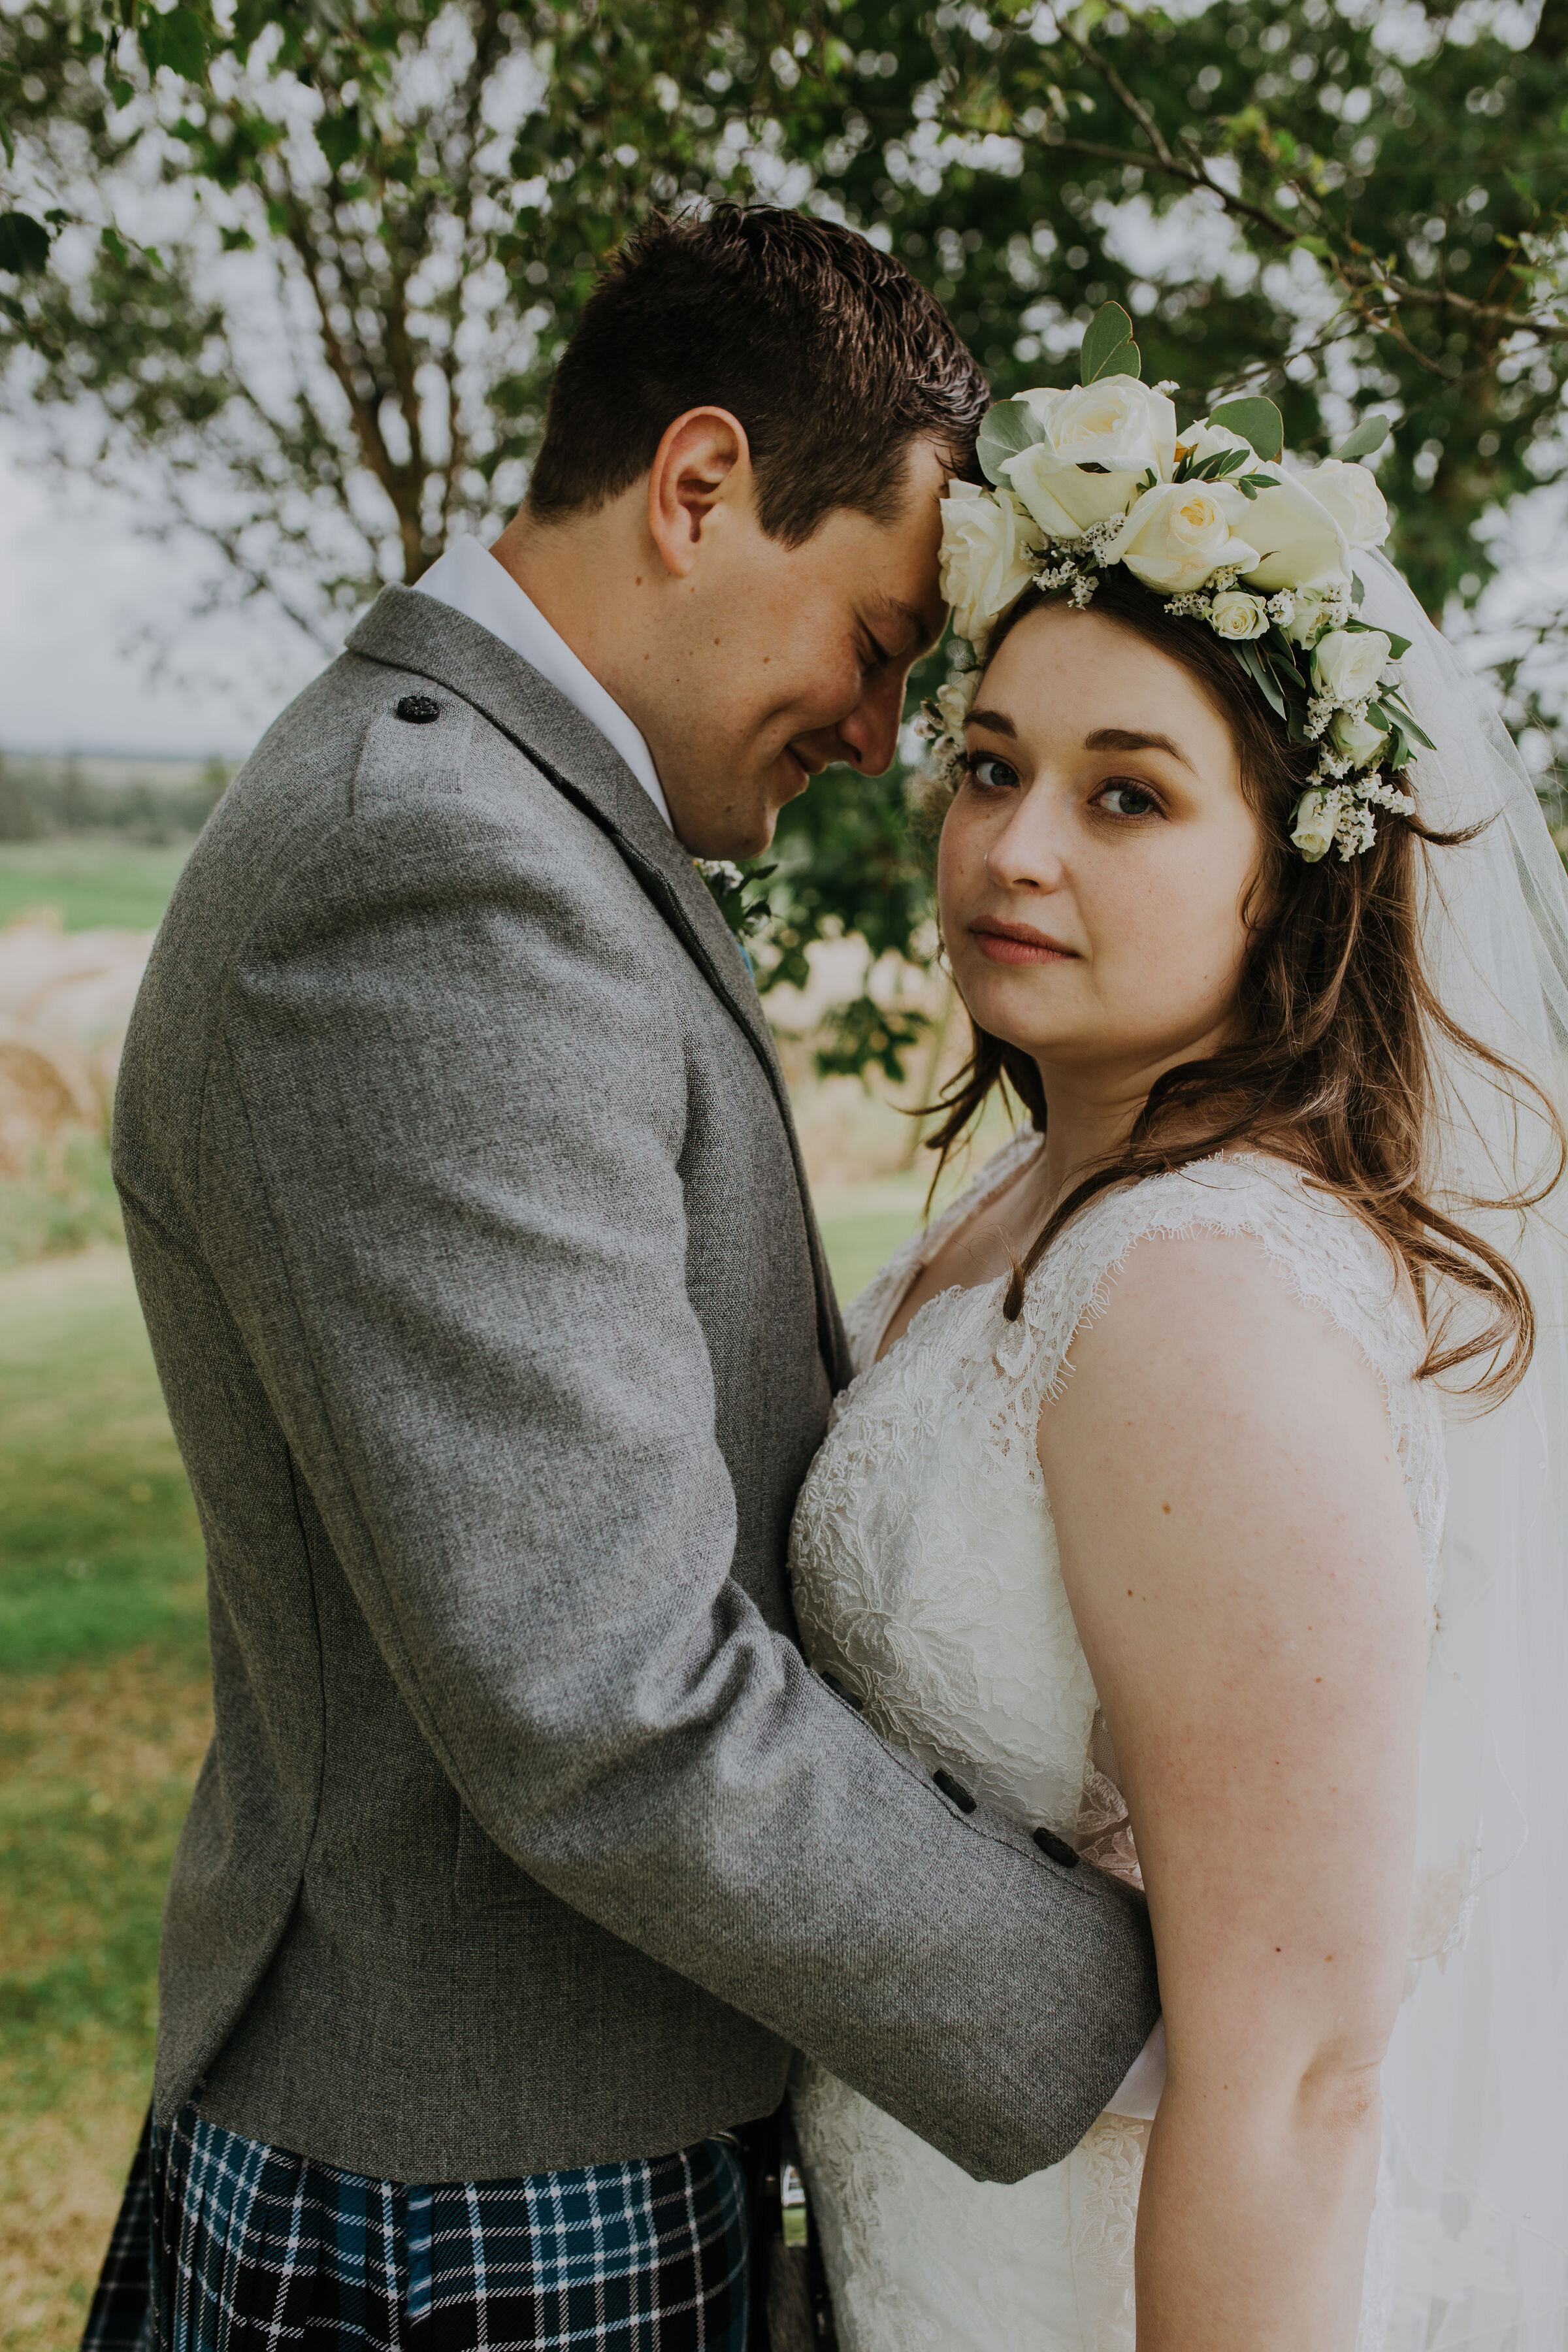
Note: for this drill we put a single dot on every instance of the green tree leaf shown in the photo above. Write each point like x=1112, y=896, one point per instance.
x=175, y=39
x=23, y=245
x=340, y=137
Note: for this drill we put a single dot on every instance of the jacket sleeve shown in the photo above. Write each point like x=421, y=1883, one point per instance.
x=440, y=1184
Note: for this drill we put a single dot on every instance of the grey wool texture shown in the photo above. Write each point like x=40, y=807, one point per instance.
x=470, y=1225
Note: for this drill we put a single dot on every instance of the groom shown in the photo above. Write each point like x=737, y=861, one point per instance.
x=470, y=1227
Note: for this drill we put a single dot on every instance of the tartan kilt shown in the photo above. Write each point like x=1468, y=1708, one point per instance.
x=226, y=2245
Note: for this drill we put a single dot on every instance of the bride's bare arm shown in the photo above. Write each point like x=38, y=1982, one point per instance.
x=1244, y=1571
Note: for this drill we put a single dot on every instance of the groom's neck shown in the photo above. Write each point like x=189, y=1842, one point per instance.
x=584, y=576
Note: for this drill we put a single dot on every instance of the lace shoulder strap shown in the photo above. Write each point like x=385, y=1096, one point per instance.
x=867, y=1316
x=1321, y=1247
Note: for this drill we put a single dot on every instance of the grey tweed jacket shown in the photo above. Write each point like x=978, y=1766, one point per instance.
x=469, y=1225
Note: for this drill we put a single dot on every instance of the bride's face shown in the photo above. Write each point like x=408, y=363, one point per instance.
x=1096, y=858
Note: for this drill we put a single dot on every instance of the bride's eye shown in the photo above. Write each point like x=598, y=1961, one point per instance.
x=1122, y=797
x=991, y=775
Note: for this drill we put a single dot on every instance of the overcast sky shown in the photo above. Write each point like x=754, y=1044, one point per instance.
x=78, y=587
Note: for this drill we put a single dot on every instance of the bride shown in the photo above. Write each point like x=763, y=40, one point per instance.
x=1136, y=1521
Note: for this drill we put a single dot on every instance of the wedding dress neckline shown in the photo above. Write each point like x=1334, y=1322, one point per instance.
x=966, y=1208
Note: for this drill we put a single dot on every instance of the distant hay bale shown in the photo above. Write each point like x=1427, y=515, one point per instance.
x=65, y=999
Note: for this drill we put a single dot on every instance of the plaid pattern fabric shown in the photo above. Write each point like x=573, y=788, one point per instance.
x=252, y=2250
x=122, y=2307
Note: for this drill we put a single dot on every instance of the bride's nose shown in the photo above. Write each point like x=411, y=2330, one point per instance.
x=1026, y=853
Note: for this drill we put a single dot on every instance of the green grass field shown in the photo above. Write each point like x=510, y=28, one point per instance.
x=103, y=1719
x=94, y=881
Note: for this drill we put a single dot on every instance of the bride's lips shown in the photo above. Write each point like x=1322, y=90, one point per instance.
x=1017, y=943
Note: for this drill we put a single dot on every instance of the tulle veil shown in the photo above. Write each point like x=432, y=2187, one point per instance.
x=1475, y=2085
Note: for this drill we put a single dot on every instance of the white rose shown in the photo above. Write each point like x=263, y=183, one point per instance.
x=1118, y=424
x=1236, y=615
x=1039, y=400
x=1347, y=663
x=1359, y=740
x=1178, y=536
x=1313, y=834
x=1351, y=496
x=986, y=539
x=956, y=698
x=1300, y=544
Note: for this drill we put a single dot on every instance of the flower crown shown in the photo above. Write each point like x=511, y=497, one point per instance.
x=1100, y=475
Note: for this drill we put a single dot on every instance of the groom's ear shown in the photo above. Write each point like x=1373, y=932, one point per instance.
x=701, y=469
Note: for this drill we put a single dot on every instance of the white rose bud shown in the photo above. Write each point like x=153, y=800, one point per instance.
x=1314, y=829
x=955, y=700
x=1311, y=605
x=1236, y=615
x=1205, y=440
x=1179, y=535
x=1348, y=663
x=1359, y=740
x=986, y=540
x=1119, y=426
x=1351, y=496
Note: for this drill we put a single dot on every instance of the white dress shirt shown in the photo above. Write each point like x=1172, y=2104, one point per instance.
x=469, y=579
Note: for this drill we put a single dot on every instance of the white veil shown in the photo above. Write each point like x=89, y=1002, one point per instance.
x=1476, y=2086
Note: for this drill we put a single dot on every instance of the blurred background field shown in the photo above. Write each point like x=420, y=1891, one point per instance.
x=103, y=1695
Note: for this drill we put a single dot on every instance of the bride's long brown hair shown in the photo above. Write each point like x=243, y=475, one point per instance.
x=1333, y=1065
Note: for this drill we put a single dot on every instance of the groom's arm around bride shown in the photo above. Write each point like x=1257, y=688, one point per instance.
x=470, y=1223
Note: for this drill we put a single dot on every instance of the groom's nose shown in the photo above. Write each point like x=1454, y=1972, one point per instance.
x=868, y=736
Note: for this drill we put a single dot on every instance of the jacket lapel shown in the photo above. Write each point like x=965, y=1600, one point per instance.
x=407, y=631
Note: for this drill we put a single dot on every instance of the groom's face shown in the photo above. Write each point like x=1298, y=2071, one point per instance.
x=787, y=660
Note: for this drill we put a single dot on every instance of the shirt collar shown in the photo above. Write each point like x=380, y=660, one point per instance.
x=471, y=580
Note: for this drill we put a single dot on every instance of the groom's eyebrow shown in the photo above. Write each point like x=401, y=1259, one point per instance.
x=1128, y=738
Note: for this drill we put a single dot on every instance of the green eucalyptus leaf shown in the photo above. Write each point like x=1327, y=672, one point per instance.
x=1370, y=435
x=1105, y=345
x=1257, y=421
x=1007, y=428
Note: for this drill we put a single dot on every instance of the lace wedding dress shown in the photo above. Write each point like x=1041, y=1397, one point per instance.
x=926, y=1582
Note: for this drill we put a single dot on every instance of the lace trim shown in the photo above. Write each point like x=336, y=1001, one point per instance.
x=1329, y=1258
x=867, y=1316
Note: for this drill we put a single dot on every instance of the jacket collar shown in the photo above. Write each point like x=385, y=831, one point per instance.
x=406, y=630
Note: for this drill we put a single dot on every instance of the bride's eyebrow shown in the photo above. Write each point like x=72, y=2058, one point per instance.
x=1129, y=739
x=995, y=723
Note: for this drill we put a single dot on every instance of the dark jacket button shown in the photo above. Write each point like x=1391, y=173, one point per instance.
x=1057, y=1848
x=417, y=708
x=953, y=1792
x=837, y=1688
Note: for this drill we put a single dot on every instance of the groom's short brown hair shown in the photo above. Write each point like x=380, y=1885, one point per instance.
x=834, y=358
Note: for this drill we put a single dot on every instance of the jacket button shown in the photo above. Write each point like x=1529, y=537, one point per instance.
x=418, y=710
x=837, y=1688
x=953, y=1790
x=1056, y=1848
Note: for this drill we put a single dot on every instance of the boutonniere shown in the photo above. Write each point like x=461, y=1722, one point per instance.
x=728, y=884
